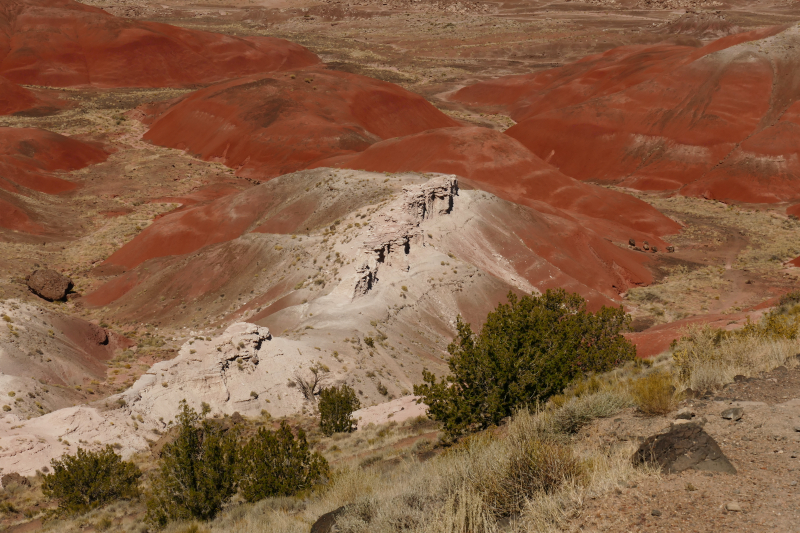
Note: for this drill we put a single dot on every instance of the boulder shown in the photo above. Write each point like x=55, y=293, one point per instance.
x=97, y=335
x=327, y=522
x=734, y=413
x=683, y=447
x=49, y=284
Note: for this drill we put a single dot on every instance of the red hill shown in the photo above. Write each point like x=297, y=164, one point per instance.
x=718, y=121
x=64, y=43
x=30, y=160
x=502, y=166
x=266, y=126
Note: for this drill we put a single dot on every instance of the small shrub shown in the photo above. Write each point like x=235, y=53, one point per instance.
x=197, y=474
x=275, y=463
x=528, y=350
x=336, y=407
x=369, y=341
x=89, y=479
x=654, y=393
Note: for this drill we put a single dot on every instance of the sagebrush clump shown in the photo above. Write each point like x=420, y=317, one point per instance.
x=654, y=393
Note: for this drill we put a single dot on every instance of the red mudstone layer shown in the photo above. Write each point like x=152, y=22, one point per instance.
x=266, y=126
x=64, y=43
x=719, y=121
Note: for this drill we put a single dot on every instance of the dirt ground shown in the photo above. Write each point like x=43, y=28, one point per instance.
x=763, y=446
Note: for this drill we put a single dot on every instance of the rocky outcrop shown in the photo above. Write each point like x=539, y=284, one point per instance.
x=683, y=447
x=398, y=223
x=241, y=372
x=49, y=284
x=397, y=226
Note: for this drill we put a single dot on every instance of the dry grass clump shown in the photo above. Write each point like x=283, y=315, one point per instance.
x=579, y=411
x=655, y=393
x=463, y=512
x=707, y=358
x=519, y=469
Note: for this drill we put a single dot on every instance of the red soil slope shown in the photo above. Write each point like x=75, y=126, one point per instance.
x=720, y=121
x=14, y=98
x=29, y=158
x=64, y=43
x=16, y=217
x=269, y=126
x=502, y=166
x=29, y=161
x=275, y=207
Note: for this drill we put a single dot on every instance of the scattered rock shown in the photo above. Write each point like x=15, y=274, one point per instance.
x=632, y=242
x=684, y=446
x=97, y=335
x=670, y=249
x=734, y=413
x=645, y=245
x=684, y=414
x=49, y=284
x=655, y=249
x=733, y=506
x=14, y=478
x=655, y=512
x=327, y=522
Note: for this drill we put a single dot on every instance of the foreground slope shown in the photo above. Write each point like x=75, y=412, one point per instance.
x=718, y=122
x=64, y=43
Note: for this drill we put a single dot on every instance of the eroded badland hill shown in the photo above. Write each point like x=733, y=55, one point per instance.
x=240, y=202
